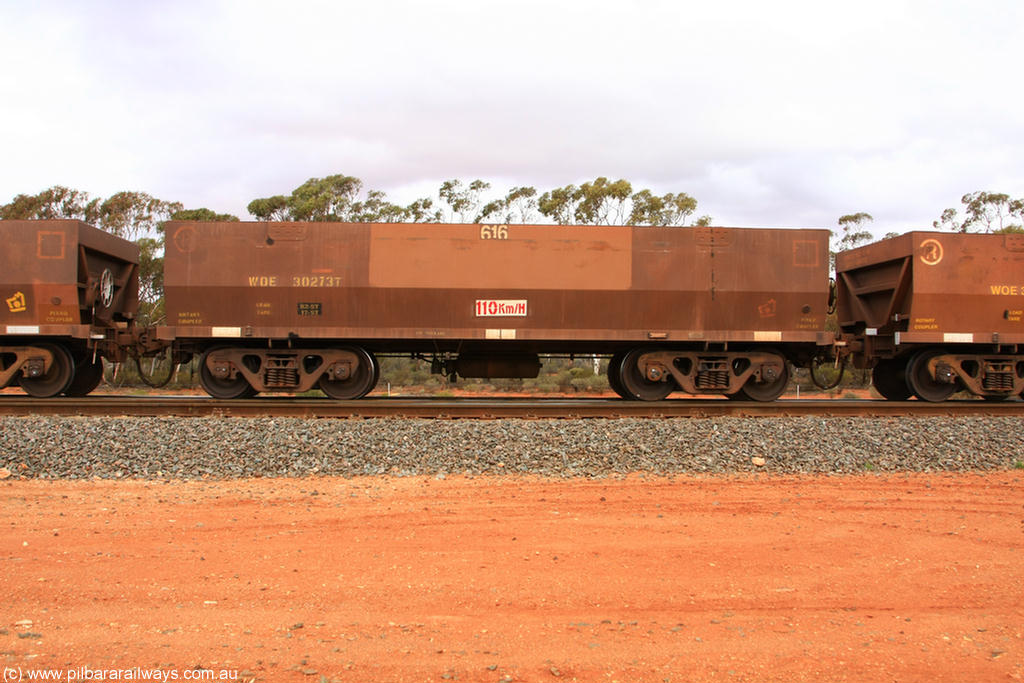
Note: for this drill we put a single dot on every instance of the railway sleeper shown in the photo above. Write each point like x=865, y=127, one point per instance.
x=982, y=375
x=700, y=372
x=271, y=370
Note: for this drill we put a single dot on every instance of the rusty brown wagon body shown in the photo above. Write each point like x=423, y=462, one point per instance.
x=933, y=312
x=289, y=306
x=68, y=293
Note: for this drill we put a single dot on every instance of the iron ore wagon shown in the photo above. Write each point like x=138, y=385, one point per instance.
x=934, y=313
x=294, y=306
x=69, y=295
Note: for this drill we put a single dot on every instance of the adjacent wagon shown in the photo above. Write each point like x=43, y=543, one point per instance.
x=933, y=313
x=68, y=293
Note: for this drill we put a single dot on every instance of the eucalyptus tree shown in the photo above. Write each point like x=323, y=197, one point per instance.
x=984, y=211
x=668, y=209
x=338, y=198
x=463, y=201
x=518, y=206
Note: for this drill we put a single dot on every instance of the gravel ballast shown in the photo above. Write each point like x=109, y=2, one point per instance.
x=202, y=448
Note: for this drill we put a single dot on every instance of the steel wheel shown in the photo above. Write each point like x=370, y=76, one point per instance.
x=88, y=375
x=636, y=385
x=56, y=379
x=753, y=390
x=890, y=379
x=922, y=384
x=359, y=384
x=238, y=387
x=376, y=371
x=615, y=375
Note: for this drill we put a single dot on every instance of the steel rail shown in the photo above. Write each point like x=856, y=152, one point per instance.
x=487, y=408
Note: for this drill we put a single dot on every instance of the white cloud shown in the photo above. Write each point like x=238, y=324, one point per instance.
x=787, y=113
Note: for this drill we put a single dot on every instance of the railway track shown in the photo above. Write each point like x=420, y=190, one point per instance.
x=487, y=408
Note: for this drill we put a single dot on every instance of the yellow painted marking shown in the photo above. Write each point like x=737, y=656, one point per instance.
x=931, y=252
x=263, y=281
x=16, y=303
x=58, y=316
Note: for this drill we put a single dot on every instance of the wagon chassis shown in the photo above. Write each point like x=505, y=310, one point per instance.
x=350, y=370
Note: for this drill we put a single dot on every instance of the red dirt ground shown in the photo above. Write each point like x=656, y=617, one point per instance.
x=761, y=578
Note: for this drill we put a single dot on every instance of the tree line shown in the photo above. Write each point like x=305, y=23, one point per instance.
x=597, y=202
x=341, y=198
x=138, y=215
x=993, y=212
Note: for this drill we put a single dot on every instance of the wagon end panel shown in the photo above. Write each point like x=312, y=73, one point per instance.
x=38, y=275
x=60, y=277
x=874, y=285
x=107, y=278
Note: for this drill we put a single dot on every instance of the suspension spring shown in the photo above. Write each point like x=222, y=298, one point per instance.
x=713, y=379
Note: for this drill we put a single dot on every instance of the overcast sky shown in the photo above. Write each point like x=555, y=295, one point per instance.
x=769, y=113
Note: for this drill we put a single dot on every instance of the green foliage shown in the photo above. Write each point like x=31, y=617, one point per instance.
x=422, y=211
x=55, y=202
x=151, y=280
x=269, y=208
x=851, y=234
x=203, y=214
x=463, y=201
x=990, y=209
x=324, y=199
x=605, y=202
x=376, y=209
x=983, y=211
x=132, y=215
x=518, y=206
x=559, y=204
x=669, y=209
x=557, y=375
x=336, y=198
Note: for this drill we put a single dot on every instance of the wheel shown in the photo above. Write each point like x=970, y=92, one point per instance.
x=376, y=371
x=922, y=384
x=359, y=384
x=753, y=390
x=88, y=375
x=56, y=379
x=890, y=379
x=238, y=387
x=615, y=375
x=996, y=398
x=636, y=386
